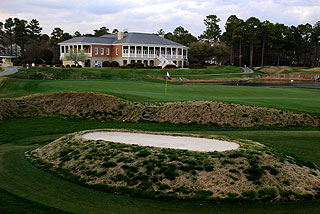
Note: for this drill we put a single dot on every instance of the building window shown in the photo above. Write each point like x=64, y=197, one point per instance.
x=108, y=51
x=62, y=49
x=125, y=62
x=102, y=51
x=117, y=51
x=96, y=51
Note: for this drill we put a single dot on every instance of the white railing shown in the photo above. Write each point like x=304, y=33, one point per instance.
x=63, y=54
x=168, y=56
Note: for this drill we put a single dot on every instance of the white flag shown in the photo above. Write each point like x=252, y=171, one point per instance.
x=168, y=75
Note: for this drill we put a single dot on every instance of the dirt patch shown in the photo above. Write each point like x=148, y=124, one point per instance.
x=253, y=172
x=105, y=107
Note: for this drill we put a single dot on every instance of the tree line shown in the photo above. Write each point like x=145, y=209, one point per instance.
x=252, y=42
x=248, y=42
x=35, y=46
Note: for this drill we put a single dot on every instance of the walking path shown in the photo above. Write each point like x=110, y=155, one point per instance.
x=246, y=70
x=9, y=70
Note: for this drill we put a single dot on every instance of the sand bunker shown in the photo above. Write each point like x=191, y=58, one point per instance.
x=163, y=141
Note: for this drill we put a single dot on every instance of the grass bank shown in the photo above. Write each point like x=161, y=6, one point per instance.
x=300, y=100
x=22, y=180
x=113, y=73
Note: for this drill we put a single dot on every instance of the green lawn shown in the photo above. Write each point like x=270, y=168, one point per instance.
x=27, y=189
x=113, y=73
x=293, y=99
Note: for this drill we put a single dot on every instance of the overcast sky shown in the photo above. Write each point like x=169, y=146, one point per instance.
x=152, y=15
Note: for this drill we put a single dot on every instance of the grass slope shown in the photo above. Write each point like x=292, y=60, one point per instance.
x=113, y=73
x=293, y=99
x=19, y=177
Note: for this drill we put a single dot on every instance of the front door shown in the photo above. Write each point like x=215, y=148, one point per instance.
x=87, y=63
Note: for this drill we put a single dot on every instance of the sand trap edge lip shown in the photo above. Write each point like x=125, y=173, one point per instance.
x=81, y=133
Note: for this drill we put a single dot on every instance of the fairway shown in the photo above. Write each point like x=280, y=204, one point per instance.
x=26, y=187
x=293, y=99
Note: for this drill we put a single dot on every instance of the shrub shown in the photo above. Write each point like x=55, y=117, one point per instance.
x=253, y=173
x=286, y=193
x=236, y=155
x=164, y=187
x=224, y=162
x=208, y=168
x=286, y=182
x=234, y=171
x=232, y=196
x=133, y=169
x=196, y=66
x=106, y=64
x=272, y=170
x=249, y=194
x=114, y=64
x=203, y=194
x=143, y=153
x=171, y=66
x=267, y=194
x=121, y=159
x=109, y=164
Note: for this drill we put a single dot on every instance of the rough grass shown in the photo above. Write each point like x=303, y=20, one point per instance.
x=131, y=170
x=286, y=70
x=103, y=107
x=292, y=99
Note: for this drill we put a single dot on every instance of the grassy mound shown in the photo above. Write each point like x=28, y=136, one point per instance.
x=252, y=173
x=105, y=107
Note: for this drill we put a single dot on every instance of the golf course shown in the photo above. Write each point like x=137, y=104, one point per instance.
x=28, y=187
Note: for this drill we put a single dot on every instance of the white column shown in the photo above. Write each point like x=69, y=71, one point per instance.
x=165, y=52
x=81, y=47
x=177, y=50
x=60, y=50
x=148, y=52
x=135, y=51
x=154, y=52
x=141, y=51
x=129, y=52
x=171, y=53
x=186, y=53
x=91, y=50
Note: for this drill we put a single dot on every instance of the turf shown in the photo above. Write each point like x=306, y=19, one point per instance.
x=113, y=73
x=20, y=180
x=293, y=99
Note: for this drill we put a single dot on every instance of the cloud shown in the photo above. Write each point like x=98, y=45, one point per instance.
x=151, y=15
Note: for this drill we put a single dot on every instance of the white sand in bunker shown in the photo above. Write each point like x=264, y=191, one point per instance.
x=163, y=141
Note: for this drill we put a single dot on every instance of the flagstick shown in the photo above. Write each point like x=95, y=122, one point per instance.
x=166, y=86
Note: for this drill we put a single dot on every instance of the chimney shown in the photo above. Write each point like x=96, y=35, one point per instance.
x=120, y=35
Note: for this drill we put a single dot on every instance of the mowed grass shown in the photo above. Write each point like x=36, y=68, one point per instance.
x=114, y=73
x=294, y=99
x=22, y=184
